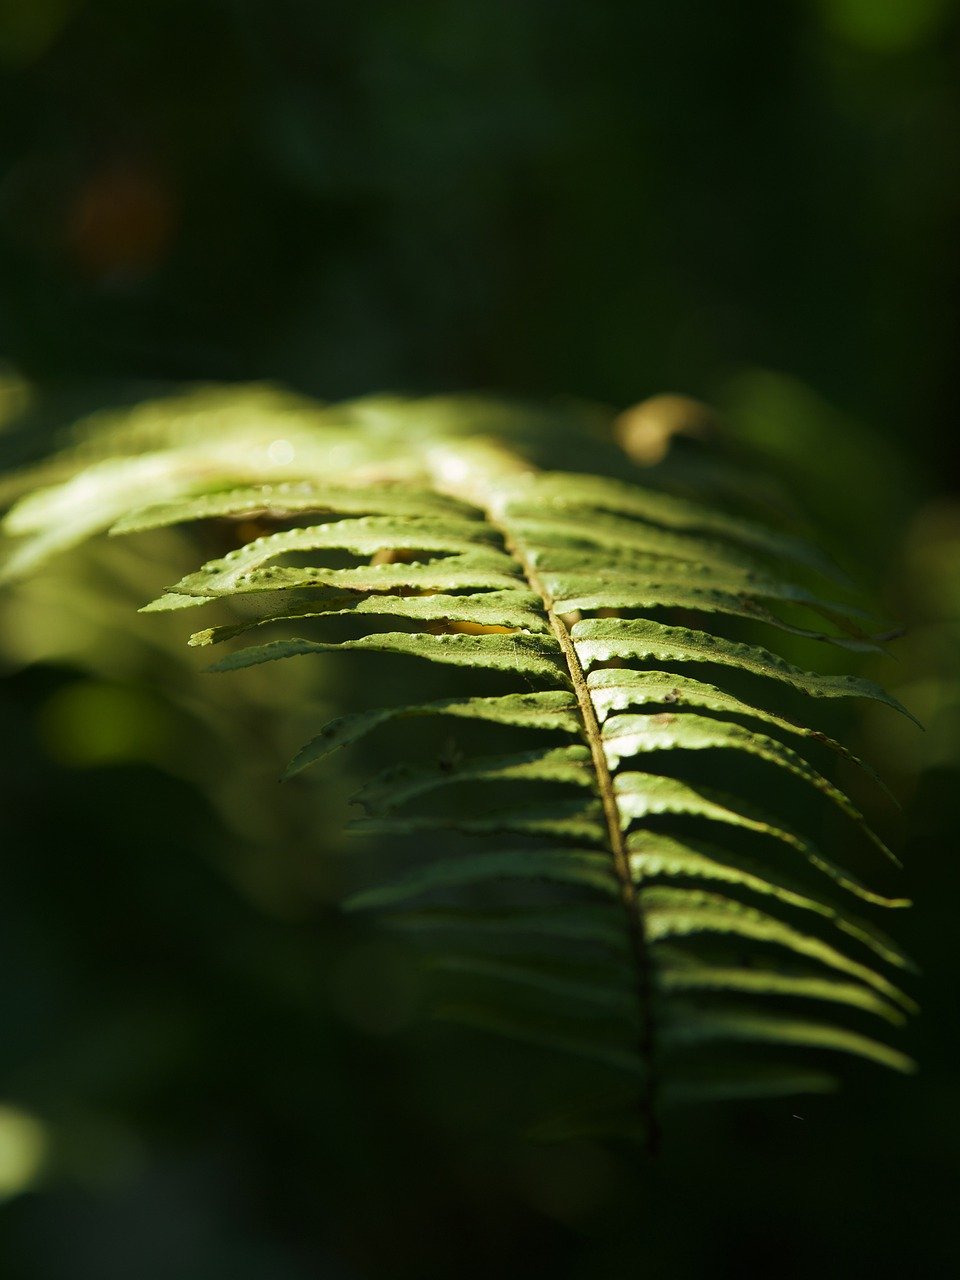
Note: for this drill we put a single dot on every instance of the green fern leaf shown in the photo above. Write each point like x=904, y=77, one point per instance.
x=559, y=866
x=551, y=711
x=604, y=639
x=607, y=910
x=532, y=655
x=619, y=690
x=644, y=795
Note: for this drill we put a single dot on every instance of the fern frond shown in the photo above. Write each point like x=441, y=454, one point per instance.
x=618, y=909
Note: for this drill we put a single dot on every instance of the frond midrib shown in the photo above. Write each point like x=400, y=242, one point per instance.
x=615, y=837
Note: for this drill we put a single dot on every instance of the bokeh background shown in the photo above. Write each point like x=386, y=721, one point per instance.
x=205, y=1070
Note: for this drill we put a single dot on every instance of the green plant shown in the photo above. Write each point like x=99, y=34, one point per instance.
x=617, y=901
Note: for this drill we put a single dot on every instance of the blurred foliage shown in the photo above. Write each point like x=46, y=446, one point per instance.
x=207, y=1071
x=607, y=199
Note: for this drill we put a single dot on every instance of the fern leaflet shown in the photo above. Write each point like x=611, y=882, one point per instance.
x=667, y=913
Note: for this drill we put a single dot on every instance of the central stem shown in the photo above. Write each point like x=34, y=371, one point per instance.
x=472, y=475
x=636, y=933
x=616, y=840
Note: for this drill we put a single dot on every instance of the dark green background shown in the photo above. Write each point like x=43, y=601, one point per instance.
x=752, y=202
